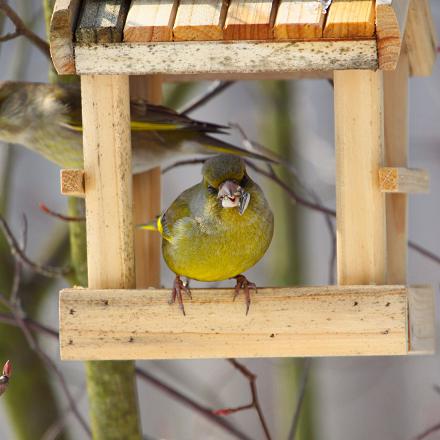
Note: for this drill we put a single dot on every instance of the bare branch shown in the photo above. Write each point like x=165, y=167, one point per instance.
x=428, y=432
x=255, y=403
x=47, y=271
x=59, y=216
x=199, y=101
x=22, y=29
x=300, y=401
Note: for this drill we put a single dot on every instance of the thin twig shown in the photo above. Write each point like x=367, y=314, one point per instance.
x=300, y=401
x=199, y=101
x=22, y=29
x=48, y=271
x=428, y=432
x=255, y=403
x=33, y=325
x=59, y=216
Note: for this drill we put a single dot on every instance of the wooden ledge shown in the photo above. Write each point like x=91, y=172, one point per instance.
x=72, y=182
x=291, y=321
x=403, y=180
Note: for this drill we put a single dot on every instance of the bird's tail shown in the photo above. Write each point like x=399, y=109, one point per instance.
x=152, y=225
x=219, y=146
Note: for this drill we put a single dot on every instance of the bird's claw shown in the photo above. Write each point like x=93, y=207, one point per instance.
x=176, y=293
x=244, y=284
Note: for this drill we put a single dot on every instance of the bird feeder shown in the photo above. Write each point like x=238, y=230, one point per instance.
x=369, y=48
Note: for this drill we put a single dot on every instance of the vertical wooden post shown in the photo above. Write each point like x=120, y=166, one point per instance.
x=146, y=196
x=396, y=152
x=360, y=206
x=108, y=191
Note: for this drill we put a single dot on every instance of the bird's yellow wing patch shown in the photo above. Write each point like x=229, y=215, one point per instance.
x=136, y=126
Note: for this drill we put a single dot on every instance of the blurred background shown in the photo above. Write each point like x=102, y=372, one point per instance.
x=347, y=398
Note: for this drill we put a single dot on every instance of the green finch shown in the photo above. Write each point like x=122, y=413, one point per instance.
x=47, y=119
x=216, y=229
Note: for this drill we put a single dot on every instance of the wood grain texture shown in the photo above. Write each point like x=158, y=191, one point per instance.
x=213, y=57
x=249, y=20
x=101, y=21
x=350, y=18
x=421, y=38
x=391, y=17
x=72, y=182
x=200, y=20
x=396, y=123
x=150, y=20
x=421, y=302
x=62, y=28
x=147, y=197
x=108, y=181
x=299, y=19
x=360, y=205
x=300, y=321
x=403, y=180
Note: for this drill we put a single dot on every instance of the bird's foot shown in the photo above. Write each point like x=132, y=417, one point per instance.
x=244, y=284
x=178, y=287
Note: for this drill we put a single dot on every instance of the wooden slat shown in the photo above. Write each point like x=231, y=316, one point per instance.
x=396, y=155
x=403, y=180
x=391, y=17
x=299, y=19
x=360, y=206
x=62, y=28
x=421, y=38
x=350, y=18
x=248, y=20
x=72, y=182
x=301, y=321
x=150, y=20
x=102, y=21
x=108, y=181
x=200, y=20
x=421, y=302
x=213, y=57
x=147, y=197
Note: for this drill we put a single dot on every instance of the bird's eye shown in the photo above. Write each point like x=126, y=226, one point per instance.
x=212, y=190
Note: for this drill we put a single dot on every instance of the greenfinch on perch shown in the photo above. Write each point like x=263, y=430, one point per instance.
x=47, y=119
x=216, y=229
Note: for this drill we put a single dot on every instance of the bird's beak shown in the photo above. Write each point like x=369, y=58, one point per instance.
x=232, y=195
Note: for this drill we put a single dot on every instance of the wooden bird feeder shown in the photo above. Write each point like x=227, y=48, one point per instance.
x=369, y=48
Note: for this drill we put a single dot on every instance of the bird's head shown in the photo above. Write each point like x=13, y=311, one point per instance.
x=226, y=181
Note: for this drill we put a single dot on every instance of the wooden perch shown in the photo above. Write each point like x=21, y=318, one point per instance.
x=72, y=182
x=290, y=321
x=403, y=180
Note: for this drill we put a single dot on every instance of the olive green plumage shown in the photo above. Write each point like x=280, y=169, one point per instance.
x=206, y=241
x=47, y=119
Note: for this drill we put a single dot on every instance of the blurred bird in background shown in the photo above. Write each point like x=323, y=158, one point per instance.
x=216, y=229
x=47, y=119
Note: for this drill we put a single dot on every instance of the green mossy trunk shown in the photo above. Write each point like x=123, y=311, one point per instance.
x=278, y=131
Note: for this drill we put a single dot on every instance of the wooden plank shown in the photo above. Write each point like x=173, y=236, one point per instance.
x=101, y=21
x=214, y=57
x=391, y=16
x=72, y=182
x=249, y=20
x=291, y=321
x=421, y=302
x=299, y=19
x=403, y=180
x=150, y=20
x=146, y=197
x=108, y=181
x=200, y=21
x=360, y=206
x=396, y=155
x=421, y=38
x=62, y=27
x=350, y=18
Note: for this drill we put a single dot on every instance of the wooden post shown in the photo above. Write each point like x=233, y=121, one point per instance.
x=360, y=206
x=396, y=152
x=146, y=196
x=108, y=191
